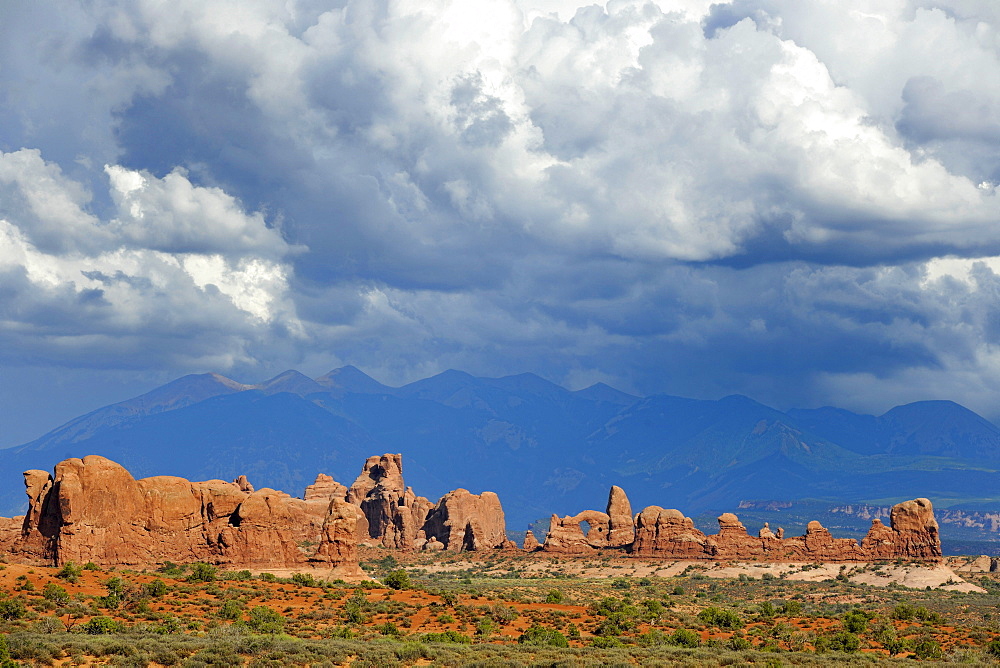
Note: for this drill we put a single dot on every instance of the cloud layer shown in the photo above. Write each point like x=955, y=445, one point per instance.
x=791, y=200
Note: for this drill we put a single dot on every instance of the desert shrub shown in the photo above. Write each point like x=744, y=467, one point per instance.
x=231, y=610
x=721, y=618
x=411, y=651
x=486, y=627
x=202, y=572
x=168, y=626
x=841, y=641
x=55, y=593
x=265, y=620
x=5, y=660
x=856, y=621
x=684, y=638
x=606, y=643
x=447, y=636
x=102, y=624
x=12, y=608
x=539, y=635
x=355, y=608
x=156, y=588
x=928, y=648
x=652, y=638
x=993, y=648
x=173, y=570
x=117, y=589
x=791, y=608
x=766, y=610
x=554, y=596
x=654, y=608
x=398, y=579
x=904, y=612
x=304, y=580
x=70, y=572
x=501, y=614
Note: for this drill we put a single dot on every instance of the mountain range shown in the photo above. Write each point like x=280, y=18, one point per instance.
x=544, y=449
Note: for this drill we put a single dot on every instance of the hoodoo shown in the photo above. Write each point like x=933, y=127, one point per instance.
x=913, y=535
x=92, y=509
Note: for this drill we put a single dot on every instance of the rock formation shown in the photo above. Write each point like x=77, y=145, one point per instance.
x=462, y=520
x=614, y=528
x=394, y=513
x=325, y=487
x=530, y=543
x=621, y=529
x=390, y=514
x=10, y=530
x=92, y=509
x=913, y=535
x=244, y=484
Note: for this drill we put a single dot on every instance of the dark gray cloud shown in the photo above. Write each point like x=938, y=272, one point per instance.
x=785, y=199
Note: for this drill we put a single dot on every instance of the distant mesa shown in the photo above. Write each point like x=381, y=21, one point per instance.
x=92, y=509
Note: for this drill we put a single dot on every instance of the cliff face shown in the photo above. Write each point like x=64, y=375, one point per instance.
x=462, y=520
x=659, y=532
x=92, y=509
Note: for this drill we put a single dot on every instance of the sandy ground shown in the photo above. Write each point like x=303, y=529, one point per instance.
x=914, y=575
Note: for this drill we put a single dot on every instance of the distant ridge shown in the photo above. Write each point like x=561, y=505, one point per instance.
x=351, y=379
x=602, y=392
x=542, y=447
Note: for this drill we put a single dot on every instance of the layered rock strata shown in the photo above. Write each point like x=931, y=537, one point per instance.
x=394, y=513
x=92, y=509
x=462, y=520
x=614, y=528
x=393, y=516
x=667, y=533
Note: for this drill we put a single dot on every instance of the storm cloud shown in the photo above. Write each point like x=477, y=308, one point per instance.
x=791, y=200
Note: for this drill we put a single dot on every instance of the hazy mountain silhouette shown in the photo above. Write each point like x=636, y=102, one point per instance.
x=543, y=448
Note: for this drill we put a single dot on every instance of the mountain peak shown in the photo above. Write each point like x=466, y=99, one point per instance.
x=604, y=392
x=291, y=381
x=352, y=379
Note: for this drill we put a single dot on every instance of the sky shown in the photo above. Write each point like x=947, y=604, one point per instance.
x=794, y=200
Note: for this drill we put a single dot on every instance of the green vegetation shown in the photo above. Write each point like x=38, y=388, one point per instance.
x=489, y=611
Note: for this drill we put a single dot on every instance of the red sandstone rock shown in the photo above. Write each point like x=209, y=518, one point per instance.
x=615, y=528
x=530, y=543
x=243, y=484
x=10, y=530
x=566, y=534
x=325, y=487
x=394, y=513
x=465, y=521
x=94, y=510
x=667, y=533
x=917, y=529
x=621, y=529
